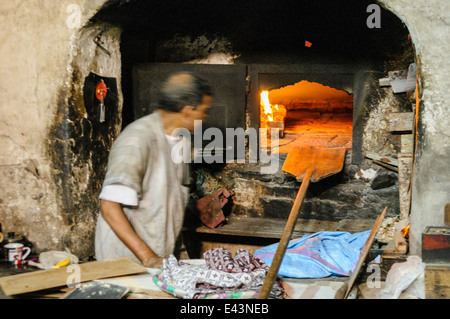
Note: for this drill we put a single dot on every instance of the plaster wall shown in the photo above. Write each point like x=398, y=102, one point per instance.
x=39, y=40
x=429, y=24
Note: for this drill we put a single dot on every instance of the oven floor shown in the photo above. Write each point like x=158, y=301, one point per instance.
x=303, y=128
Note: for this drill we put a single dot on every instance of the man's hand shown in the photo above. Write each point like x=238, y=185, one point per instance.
x=154, y=262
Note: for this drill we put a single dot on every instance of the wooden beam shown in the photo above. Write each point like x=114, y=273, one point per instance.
x=51, y=278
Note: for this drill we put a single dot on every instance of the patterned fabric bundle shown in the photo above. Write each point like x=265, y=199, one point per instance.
x=221, y=275
x=243, y=261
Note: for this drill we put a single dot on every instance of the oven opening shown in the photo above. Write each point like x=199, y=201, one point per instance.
x=307, y=114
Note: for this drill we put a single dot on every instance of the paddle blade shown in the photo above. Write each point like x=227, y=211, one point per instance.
x=326, y=161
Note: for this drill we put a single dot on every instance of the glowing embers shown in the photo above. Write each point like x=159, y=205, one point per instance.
x=309, y=113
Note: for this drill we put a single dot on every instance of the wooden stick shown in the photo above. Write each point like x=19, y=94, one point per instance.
x=345, y=289
x=285, y=237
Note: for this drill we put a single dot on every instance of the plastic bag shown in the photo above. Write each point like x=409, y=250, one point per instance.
x=49, y=259
x=407, y=276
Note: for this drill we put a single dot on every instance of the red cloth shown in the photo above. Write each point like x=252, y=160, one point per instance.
x=210, y=208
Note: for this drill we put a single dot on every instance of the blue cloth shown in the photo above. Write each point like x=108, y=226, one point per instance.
x=319, y=255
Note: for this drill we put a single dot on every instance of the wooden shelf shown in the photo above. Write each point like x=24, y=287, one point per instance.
x=273, y=228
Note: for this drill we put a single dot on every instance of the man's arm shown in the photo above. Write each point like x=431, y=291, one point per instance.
x=113, y=214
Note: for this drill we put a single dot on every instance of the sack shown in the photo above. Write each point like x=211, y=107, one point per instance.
x=408, y=275
x=49, y=259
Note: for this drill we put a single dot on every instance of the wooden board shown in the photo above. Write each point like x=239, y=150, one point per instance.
x=44, y=279
x=447, y=215
x=401, y=122
x=365, y=292
x=407, y=143
x=382, y=158
x=404, y=183
x=437, y=281
x=267, y=227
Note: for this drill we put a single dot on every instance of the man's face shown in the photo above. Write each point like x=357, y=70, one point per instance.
x=198, y=113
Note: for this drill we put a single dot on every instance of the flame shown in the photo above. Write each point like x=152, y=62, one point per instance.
x=405, y=231
x=269, y=112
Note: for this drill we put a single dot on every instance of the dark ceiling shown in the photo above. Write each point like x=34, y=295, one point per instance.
x=333, y=27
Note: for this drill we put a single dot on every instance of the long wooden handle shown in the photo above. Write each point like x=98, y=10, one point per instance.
x=285, y=237
x=344, y=290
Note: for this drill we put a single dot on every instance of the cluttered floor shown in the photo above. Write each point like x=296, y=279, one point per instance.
x=324, y=265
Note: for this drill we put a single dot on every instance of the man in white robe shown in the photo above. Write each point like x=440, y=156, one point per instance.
x=143, y=197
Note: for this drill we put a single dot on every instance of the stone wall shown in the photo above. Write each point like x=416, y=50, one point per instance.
x=359, y=192
x=429, y=25
x=40, y=49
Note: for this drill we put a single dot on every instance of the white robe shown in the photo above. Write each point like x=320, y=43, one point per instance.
x=141, y=159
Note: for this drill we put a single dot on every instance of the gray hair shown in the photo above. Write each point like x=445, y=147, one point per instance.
x=182, y=89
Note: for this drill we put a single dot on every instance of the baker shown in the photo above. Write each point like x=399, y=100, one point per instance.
x=143, y=198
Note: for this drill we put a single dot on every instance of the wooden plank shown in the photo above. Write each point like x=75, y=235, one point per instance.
x=142, y=286
x=447, y=215
x=396, y=246
x=273, y=227
x=267, y=227
x=355, y=225
x=407, y=143
x=384, y=159
x=437, y=281
x=374, y=292
x=401, y=122
x=51, y=278
x=384, y=82
x=390, y=167
x=404, y=183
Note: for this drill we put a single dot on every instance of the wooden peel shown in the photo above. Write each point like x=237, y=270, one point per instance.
x=308, y=163
x=344, y=290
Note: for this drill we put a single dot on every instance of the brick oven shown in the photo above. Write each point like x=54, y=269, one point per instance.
x=258, y=58
x=325, y=81
x=322, y=72
x=324, y=105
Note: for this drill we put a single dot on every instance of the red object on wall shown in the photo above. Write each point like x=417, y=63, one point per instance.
x=100, y=91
